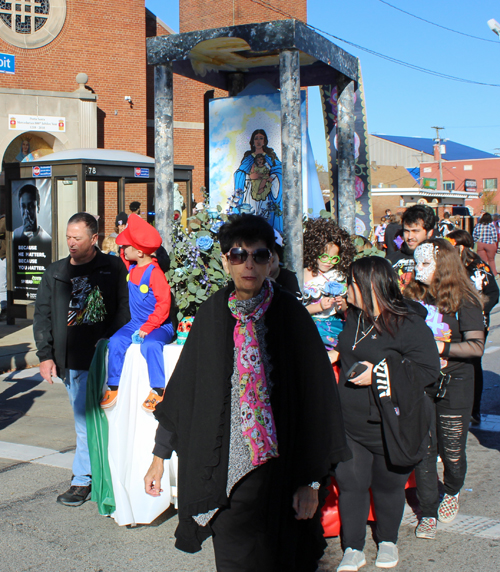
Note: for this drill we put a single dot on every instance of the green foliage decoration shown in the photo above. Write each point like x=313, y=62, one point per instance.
x=196, y=270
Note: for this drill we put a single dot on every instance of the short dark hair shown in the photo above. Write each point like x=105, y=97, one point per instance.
x=29, y=189
x=89, y=220
x=485, y=219
x=422, y=214
x=135, y=206
x=245, y=228
x=446, y=214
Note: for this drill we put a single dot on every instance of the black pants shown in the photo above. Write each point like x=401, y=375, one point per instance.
x=355, y=477
x=448, y=437
x=478, y=384
x=239, y=531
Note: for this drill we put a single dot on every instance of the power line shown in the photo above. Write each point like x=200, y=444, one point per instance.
x=377, y=54
x=438, y=25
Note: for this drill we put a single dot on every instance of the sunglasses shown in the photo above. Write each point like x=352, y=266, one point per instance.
x=239, y=255
x=325, y=259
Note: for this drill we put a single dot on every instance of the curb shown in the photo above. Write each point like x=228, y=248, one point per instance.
x=18, y=361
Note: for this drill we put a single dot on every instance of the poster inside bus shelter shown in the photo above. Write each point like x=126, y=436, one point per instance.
x=31, y=236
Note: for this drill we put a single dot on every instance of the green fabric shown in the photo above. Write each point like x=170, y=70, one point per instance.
x=97, y=433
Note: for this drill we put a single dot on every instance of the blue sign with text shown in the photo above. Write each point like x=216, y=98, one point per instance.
x=42, y=171
x=7, y=63
x=138, y=172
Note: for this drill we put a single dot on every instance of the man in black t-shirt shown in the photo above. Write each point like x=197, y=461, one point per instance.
x=418, y=225
x=445, y=225
x=81, y=299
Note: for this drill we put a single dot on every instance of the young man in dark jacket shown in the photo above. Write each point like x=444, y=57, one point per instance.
x=418, y=225
x=81, y=299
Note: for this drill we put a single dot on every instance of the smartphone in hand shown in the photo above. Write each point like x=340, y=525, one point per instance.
x=356, y=369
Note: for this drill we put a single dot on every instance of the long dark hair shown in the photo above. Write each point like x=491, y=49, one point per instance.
x=376, y=278
x=450, y=286
x=268, y=150
x=461, y=237
x=485, y=219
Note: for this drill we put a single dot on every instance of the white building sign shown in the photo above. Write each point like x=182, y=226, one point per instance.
x=36, y=123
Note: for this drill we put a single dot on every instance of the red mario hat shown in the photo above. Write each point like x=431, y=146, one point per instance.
x=140, y=235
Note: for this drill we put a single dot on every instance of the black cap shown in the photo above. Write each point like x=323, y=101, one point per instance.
x=134, y=206
x=121, y=218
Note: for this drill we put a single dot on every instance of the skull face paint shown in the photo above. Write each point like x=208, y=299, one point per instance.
x=425, y=263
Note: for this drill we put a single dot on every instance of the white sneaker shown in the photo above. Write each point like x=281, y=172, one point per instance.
x=352, y=560
x=387, y=556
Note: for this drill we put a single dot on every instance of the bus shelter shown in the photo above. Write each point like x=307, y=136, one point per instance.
x=41, y=195
x=289, y=55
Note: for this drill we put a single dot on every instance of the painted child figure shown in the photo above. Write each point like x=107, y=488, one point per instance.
x=262, y=185
x=149, y=299
x=328, y=253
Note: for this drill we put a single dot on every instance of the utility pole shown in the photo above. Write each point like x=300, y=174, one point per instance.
x=438, y=139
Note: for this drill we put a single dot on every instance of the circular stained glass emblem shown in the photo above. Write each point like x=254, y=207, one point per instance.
x=31, y=23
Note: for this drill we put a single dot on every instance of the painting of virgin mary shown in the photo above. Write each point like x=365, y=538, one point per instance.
x=258, y=182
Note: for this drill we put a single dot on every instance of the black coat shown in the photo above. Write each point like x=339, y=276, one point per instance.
x=196, y=410
x=52, y=304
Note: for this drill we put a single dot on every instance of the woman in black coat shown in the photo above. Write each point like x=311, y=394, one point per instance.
x=252, y=410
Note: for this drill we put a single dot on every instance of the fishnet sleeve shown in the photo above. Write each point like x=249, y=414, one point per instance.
x=471, y=346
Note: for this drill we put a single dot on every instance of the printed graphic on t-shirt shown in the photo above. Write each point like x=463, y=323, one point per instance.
x=86, y=305
x=440, y=329
x=404, y=269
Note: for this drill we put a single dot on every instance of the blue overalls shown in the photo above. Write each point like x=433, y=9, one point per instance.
x=142, y=303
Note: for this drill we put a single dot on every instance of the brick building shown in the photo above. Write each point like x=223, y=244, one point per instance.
x=113, y=107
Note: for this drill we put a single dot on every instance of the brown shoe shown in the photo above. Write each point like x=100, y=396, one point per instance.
x=152, y=401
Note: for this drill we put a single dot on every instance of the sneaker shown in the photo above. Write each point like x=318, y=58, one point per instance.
x=448, y=509
x=75, y=495
x=387, y=555
x=152, y=401
x=426, y=528
x=352, y=560
x=109, y=399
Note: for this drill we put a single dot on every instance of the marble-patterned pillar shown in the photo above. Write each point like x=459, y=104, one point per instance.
x=345, y=154
x=291, y=157
x=164, y=152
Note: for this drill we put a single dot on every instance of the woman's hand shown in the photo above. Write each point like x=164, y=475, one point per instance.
x=341, y=303
x=152, y=480
x=305, y=503
x=142, y=334
x=334, y=356
x=440, y=346
x=364, y=378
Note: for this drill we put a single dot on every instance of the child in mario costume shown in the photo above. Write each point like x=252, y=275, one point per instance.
x=149, y=299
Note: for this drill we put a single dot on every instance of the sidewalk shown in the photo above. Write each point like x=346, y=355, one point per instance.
x=17, y=346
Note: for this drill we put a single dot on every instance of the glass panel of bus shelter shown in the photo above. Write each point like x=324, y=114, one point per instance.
x=67, y=206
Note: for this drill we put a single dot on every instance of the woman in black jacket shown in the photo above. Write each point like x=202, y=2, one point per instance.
x=386, y=413
x=455, y=315
x=484, y=281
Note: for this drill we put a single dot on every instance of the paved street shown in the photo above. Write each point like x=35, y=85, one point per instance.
x=36, y=533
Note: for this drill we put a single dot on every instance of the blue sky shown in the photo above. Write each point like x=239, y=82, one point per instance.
x=399, y=100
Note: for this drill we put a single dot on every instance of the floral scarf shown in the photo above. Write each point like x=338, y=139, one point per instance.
x=257, y=422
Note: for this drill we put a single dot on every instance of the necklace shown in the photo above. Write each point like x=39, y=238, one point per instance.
x=356, y=340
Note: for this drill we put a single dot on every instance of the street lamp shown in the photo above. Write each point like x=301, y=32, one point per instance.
x=494, y=26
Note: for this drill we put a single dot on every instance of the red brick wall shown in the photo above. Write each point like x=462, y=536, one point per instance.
x=203, y=15
x=454, y=171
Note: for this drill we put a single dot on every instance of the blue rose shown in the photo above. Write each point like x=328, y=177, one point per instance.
x=333, y=288
x=216, y=226
x=204, y=243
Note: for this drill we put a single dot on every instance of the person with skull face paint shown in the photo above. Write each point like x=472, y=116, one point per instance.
x=455, y=316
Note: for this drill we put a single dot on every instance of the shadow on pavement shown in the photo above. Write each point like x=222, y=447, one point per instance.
x=11, y=407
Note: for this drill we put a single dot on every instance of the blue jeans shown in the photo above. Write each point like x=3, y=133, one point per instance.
x=76, y=384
